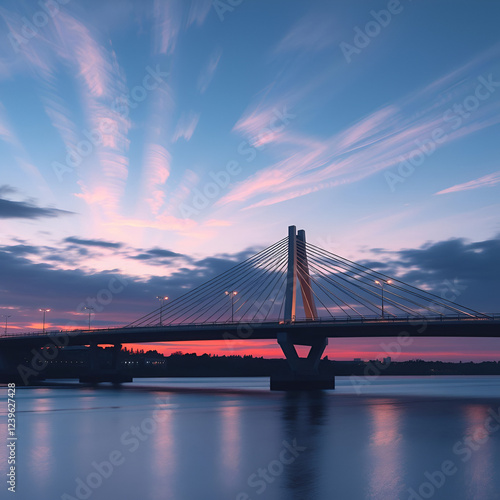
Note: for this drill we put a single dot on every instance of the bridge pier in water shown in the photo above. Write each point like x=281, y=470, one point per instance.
x=303, y=373
x=97, y=373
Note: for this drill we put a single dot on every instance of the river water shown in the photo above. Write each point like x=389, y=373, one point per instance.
x=231, y=438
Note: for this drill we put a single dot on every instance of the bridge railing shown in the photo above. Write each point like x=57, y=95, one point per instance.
x=298, y=321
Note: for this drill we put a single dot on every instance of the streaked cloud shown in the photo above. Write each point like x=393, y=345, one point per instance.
x=186, y=126
x=167, y=24
x=157, y=170
x=198, y=12
x=208, y=72
x=484, y=181
x=376, y=142
x=316, y=31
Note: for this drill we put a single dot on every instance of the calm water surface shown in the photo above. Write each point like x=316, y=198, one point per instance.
x=204, y=439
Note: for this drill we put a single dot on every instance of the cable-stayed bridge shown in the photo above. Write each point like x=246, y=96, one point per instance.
x=294, y=292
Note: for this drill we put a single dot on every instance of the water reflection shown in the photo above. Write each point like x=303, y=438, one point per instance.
x=163, y=447
x=41, y=458
x=304, y=417
x=479, y=469
x=385, y=479
x=230, y=444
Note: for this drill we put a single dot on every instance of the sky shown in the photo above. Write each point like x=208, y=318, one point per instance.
x=147, y=146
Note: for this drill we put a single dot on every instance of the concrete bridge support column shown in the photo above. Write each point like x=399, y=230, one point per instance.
x=303, y=373
x=97, y=373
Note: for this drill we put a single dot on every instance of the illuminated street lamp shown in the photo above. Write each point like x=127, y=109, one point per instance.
x=382, y=283
x=43, y=323
x=89, y=309
x=232, y=294
x=162, y=300
x=6, y=316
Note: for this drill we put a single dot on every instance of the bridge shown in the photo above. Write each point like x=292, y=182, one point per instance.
x=259, y=299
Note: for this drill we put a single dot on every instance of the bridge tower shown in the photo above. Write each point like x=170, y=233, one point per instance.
x=303, y=372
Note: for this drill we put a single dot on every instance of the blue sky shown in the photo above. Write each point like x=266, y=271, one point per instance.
x=386, y=140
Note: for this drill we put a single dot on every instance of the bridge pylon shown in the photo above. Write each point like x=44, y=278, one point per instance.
x=303, y=373
x=298, y=272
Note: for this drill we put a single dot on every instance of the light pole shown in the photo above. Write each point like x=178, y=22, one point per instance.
x=89, y=309
x=6, y=316
x=382, y=283
x=44, y=311
x=232, y=294
x=162, y=299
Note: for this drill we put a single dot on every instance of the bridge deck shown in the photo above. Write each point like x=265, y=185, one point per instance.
x=417, y=327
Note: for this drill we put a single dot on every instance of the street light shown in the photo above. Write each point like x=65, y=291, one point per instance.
x=6, y=316
x=232, y=294
x=89, y=309
x=44, y=311
x=382, y=283
x=162, y=299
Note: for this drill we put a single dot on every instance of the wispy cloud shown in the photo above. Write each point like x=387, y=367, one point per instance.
x=208, y=71
x=167, y=19
x=157, y=170
x=101, y=82
x=6, y=132
x=163, y=222
x=198, y=12
x=374, y=143
x=484, y=181
x=186, y=126
x=312, y=33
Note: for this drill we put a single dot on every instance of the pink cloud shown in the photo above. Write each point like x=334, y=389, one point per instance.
x=163, y=222
x=208, y=72
x=198, y=12
x=186, y=126
x=314, y=32
x=157, y=170
x=376, y=142
x=167, y=25
x=6, y=132
x=489, y=180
